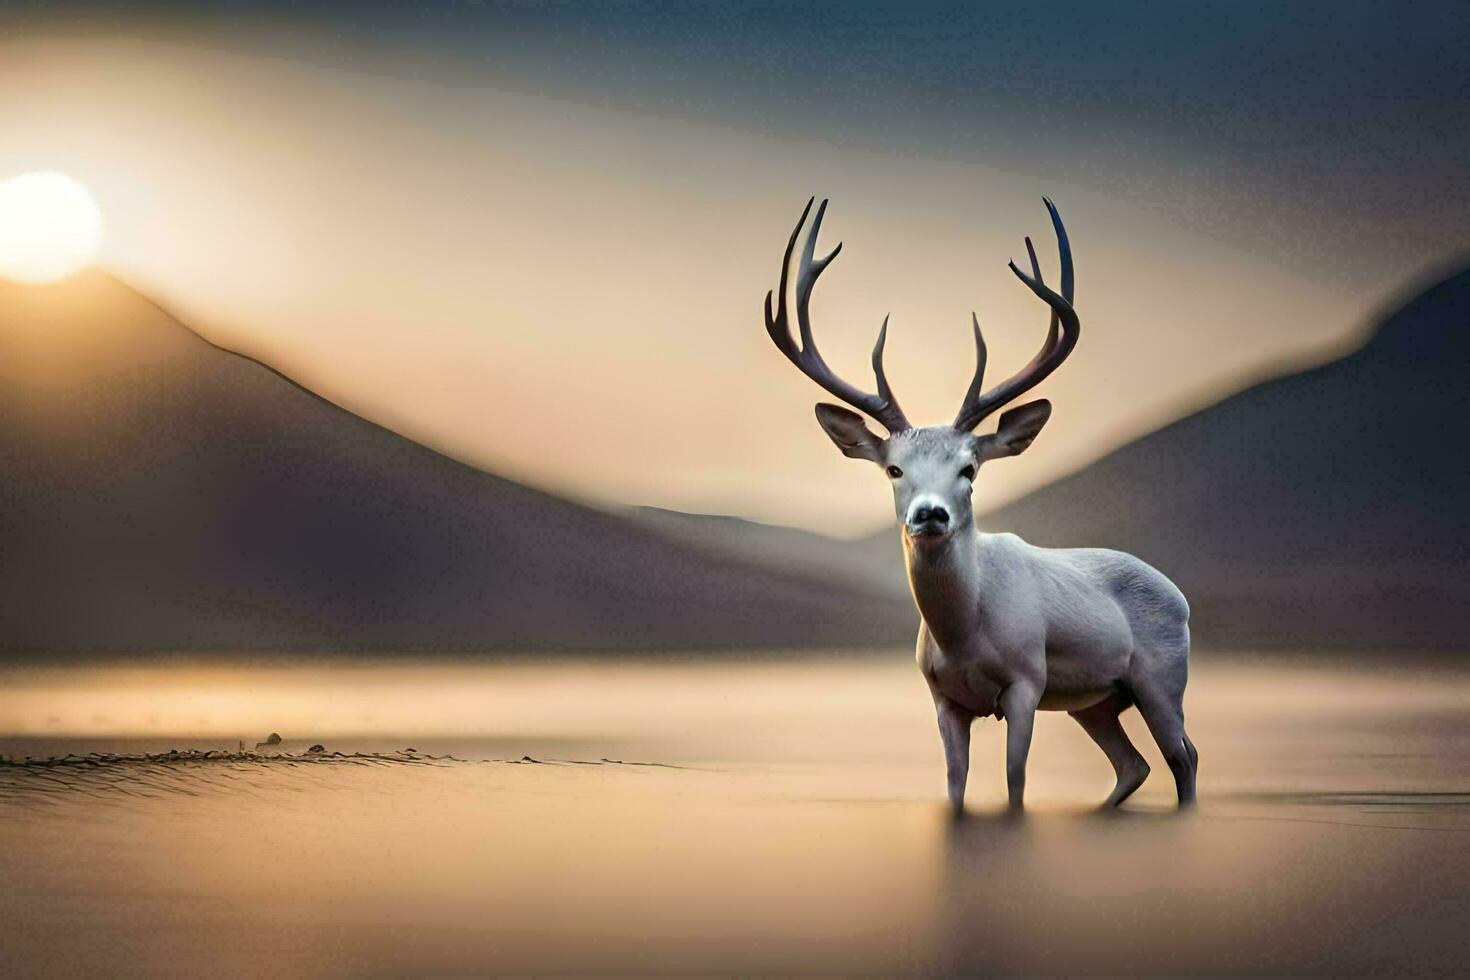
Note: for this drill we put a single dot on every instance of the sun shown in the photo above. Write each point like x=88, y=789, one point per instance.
x=50, y=227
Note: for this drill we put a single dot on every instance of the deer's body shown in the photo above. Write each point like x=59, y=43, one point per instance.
x=1087, y=631
x=1009, y=628
x=1069, y=622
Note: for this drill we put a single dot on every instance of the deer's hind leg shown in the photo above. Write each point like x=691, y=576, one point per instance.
x=1160, y=698
x=1100, y=721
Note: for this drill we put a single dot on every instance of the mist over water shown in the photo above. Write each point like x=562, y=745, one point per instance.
x=795, y=821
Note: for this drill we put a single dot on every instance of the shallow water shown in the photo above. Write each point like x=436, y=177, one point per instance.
x=723, y=815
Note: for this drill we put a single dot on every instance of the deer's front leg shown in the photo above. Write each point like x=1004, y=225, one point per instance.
x=1018, y=703
x=954, y=731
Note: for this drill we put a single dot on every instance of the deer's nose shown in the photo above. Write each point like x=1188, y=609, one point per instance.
x=930, y=514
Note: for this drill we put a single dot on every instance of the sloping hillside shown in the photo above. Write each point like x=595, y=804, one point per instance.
x=159, y=493
x=877, y=568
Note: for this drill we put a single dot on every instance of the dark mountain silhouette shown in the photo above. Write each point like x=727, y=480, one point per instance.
x=160, y=493
x=1326, y=508
x=1329, y=508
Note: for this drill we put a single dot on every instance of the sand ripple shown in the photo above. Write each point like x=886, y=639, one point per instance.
x=194, y=772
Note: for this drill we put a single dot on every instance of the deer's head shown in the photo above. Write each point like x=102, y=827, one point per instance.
x=932, y=468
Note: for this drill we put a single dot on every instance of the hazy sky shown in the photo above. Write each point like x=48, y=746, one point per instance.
x=538, y=237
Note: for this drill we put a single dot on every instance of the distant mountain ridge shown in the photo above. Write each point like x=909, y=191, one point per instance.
x=161, y=493
x=877, y=570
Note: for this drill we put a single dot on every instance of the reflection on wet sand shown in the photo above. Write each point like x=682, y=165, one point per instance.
x=796, y=823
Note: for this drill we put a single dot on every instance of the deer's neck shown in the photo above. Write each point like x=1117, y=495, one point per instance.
x=945, y=579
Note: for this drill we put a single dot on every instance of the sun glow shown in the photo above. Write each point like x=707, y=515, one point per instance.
x=50, y=227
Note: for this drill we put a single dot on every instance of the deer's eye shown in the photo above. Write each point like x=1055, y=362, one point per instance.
x=968, y=473
x=895, y=472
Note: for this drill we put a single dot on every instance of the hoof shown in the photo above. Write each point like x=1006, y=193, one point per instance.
x=1128, y=784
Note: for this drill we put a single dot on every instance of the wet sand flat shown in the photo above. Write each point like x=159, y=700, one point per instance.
x=724, y=815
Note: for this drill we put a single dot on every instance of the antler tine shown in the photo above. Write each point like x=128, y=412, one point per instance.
x=883, y=407
x=1061, y=336
x=884, y=392
x=1055, y=325
x=981, y=354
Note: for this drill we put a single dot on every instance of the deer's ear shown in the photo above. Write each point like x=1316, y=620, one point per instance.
x=1018, y=428
x=847, y=430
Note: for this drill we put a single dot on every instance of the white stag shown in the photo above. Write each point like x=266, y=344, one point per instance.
x=1008, y=628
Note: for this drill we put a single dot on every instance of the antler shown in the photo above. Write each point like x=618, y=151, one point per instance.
x=882, y=406
x=1061, y=337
